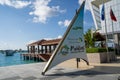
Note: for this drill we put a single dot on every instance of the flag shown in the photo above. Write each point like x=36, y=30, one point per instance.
x=102, y=13
x=72, y=44
x=112, y=15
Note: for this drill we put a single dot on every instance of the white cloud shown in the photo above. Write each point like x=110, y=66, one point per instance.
x=48, y=38
x=60, y=36
x=42, y=11
x=60, y=23
x=87, y=7
x=53, y=38
x=5, y=45
x=15, y=3
x=31, y=41
x=64, y=23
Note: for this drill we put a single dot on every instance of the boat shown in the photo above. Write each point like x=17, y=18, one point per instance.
x=9, y=52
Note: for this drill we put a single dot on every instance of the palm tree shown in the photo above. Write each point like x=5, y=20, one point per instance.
x=89, y=41
x=91, y=37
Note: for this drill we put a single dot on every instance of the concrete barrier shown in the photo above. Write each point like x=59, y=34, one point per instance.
x=101, y=57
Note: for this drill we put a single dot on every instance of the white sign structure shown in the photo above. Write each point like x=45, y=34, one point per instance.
x=72, y=45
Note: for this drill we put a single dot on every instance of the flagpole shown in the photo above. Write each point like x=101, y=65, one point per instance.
x=113, y=33
x=113, y=37
x=108, y=59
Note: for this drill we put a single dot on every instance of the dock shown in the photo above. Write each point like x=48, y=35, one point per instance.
x=35, y=57
x=40, y=50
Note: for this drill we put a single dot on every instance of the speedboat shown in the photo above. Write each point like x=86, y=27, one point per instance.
x=9, y=52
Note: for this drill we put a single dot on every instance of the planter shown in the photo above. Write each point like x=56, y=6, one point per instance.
x=100, y=57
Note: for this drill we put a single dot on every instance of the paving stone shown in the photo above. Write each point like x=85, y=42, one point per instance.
x=64, y=78
x=33, y=72
x=29, y=78
x=13, y=78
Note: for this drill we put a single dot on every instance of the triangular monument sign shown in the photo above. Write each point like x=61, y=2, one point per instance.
x=72, y=44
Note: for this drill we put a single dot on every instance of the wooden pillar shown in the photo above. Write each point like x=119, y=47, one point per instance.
x=54, y=46
x=31, y=49
x=45, y=48
x=42, y=49
x=38, y=49
x=28, y=49
x=50, y=49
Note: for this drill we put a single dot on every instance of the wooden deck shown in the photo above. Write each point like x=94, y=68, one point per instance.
x=36, y=57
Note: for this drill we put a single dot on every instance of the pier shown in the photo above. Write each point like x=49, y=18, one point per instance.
x=35, y=57
x=40, y=50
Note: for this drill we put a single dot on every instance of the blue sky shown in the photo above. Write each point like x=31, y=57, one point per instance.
x=25, y=21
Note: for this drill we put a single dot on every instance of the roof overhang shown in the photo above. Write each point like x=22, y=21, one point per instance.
x=99, y=2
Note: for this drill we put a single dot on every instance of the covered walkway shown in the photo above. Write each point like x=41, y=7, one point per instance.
x=40, y=50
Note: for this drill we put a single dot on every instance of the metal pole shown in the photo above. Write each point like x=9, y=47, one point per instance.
x=113, y=37
x=77, y=60
x=113, y=34
x=108, y=59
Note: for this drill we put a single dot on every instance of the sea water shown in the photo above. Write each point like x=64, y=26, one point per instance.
x=13, y=60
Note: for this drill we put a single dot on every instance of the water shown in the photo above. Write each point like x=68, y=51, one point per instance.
x=13, y=60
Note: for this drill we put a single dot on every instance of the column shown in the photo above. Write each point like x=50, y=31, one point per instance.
x=45, y=48
x=42, y=49
x=31, y=49
x=54, y=46
x=38, y=49
x=50, y=49
x=28, y=49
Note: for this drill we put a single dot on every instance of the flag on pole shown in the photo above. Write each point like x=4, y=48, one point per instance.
x=104, y=19
x=112, y=15
x=103, y=13
x=72, y=44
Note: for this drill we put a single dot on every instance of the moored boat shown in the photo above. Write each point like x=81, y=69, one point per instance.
x=9, y=52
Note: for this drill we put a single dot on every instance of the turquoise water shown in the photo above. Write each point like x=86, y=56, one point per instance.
x=13, y=60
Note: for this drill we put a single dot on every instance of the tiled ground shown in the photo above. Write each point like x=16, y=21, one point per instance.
x=33, y=72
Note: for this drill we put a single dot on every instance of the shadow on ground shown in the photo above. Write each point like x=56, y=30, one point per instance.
x=97, y=70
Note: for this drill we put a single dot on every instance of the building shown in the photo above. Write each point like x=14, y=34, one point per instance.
x=40, y=50
x=43, y=46
x=112, y=28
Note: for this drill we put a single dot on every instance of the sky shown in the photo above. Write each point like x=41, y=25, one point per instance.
x=26, y=21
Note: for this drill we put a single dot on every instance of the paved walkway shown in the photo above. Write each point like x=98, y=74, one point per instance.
x=33, y=71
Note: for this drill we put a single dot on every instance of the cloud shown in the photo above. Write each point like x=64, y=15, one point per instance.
x=87, y=7
x=31, y=41
x=64, y=23
x=15, y=3
x=41, y=11
x=60, y=36
x=4, y=45
x=48, y=38
x=53, y=38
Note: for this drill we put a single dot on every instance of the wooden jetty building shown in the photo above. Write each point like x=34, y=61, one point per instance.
x=40, y=50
